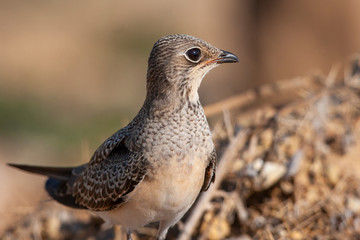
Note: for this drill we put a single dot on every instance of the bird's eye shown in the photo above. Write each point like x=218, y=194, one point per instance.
x=193, y=55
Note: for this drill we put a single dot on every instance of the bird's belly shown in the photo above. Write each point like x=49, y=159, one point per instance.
x=166, y=195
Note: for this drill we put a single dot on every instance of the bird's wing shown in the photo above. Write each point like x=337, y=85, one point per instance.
x=210, y=171
x=112, y=173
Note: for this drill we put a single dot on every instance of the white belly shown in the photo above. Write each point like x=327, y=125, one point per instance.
x=165, y=196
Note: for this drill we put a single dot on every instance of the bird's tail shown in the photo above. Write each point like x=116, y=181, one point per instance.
x=59, y=184
x=60, y=173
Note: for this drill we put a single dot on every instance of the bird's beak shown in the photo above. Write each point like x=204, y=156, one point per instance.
x=225, y=57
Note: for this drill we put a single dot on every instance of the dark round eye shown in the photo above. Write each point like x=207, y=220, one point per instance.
x=193, y=54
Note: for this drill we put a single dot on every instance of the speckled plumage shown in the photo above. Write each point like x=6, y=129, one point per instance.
x=154, y=168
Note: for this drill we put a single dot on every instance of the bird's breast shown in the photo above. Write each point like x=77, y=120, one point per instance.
x=182, y=136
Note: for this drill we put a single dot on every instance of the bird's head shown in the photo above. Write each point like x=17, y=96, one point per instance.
x=177, y=65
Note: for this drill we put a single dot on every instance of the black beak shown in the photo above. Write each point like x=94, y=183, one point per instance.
x=227, y=57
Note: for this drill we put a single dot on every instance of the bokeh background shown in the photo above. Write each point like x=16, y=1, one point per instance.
x=73, y=72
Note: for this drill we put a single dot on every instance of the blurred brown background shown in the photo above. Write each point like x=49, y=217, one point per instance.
x=73, y=72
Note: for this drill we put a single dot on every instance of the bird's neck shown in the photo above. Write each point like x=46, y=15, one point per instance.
x=158, y=108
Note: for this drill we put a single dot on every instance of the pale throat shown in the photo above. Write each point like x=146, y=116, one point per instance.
x=194, y=83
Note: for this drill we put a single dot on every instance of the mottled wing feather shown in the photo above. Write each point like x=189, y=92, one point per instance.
x=210, y=171
x=61, y=189
x=112, y=173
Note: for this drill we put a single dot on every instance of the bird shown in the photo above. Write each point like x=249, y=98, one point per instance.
x=153, y=169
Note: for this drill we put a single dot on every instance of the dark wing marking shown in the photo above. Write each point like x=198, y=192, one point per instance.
x=210, y=171
x=112, y=173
